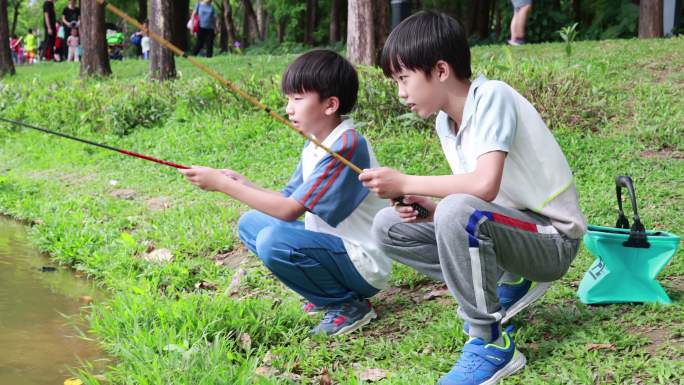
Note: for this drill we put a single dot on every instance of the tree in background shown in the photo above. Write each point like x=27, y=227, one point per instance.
x=95, y=60
x=6, y=65
x=162, y=61
x=16, y=6
x=142, y=10
x=335, y=33
x=180, y=13
x=650, y=18
x=250, y=27
x=360, y=32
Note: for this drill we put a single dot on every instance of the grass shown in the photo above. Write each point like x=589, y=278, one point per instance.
x=614, y=107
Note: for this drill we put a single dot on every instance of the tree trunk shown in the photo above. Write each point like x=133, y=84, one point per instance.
x=311, y=18
x=483, y=11
x=162, y=61
x=381, y=21
x=282, y=25
x=335, y=21
x=650, y=18
x=250, y=27
x=223, y=32
x=231, y=32
x=360, y=32
x=262, y=19
x=6, y=64
x=16, y=5
x=180, y=13
x=142, y=10
x=95, y=60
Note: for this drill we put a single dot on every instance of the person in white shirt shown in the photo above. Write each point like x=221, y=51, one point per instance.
x=508, y=222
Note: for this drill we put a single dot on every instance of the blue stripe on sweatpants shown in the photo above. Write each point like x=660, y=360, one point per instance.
x=313, y=264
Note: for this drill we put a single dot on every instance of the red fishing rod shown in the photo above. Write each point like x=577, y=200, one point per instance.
x=119, y=150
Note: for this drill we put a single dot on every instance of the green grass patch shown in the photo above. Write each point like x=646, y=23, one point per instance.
x=614, y=107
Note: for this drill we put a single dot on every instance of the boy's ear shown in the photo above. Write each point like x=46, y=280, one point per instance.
x=332, y=105
x=442, y=70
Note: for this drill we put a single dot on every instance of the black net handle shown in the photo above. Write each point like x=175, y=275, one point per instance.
x=637, y=233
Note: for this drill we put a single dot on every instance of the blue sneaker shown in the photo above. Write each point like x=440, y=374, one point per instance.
x=514, y=297
x=311, y=309
x=345, y=318
x=485, y=364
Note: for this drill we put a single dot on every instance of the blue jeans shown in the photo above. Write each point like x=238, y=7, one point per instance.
x=313, y=264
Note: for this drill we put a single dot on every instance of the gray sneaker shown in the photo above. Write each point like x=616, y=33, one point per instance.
x=311, y=309
x=345, y=318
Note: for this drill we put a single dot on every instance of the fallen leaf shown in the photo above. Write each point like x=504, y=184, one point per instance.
x=591, y=347
x=372, y=375
x=268, y=358
x=266, y=371
x=73, y=381
x=158, y=255
x=86, y=299
x=150, y=247
x=245, y=341
x=325, y=378
x=204, y=285
x=235, y=281
x=435, y=293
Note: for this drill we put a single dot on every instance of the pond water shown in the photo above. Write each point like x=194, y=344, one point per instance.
x=39, y=343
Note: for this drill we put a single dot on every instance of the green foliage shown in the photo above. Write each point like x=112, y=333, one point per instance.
x=613, y=106
x=568, y=35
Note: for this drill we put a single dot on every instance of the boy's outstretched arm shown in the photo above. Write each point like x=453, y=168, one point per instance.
x=483, y=182
x=238, y=187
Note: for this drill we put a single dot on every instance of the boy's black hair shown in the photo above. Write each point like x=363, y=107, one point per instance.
x=424, y=38
x=30, y=30
x=325, y=72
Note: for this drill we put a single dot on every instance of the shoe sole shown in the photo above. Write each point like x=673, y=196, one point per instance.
x=526, y=300
x=515, y=365
x=356, y=325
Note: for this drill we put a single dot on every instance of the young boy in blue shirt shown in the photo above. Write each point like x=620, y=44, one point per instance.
x=508, y=216
x=329, y=258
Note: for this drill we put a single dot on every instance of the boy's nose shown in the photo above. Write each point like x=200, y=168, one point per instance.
x=401, y=92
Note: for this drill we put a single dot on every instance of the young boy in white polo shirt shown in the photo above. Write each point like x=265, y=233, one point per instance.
x=329, y=258
x=508, y=216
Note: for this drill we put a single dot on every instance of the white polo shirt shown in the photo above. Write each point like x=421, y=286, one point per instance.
x=336, y=201
x=536, y=175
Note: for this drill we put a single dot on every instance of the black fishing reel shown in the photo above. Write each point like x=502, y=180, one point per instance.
x=422, y=211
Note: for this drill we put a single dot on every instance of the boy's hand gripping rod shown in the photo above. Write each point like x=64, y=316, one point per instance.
x=422, y=212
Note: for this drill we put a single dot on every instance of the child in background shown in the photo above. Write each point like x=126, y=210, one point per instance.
x=30, y=47
x=73, y=43
x=14, y=48
x=145, y=44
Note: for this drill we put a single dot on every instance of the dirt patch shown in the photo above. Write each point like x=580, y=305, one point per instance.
x=660, y=337
x=159, y=203
x=232, y=258
x=663, y=153
x=126, y=193
x=68, y=179
x=392, y=300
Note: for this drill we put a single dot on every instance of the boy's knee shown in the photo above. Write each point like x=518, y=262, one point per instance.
x=268, y=243
x=455, y=207
x=382, y=223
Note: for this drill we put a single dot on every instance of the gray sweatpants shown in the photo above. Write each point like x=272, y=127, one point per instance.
x=469, y=245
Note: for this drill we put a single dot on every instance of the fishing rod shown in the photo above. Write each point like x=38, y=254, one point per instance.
x=422, y=212
x=107, y=147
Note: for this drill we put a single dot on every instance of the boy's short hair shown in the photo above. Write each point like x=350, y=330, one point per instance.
x=424, y=38
x=30, y=30
x=325, y=72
